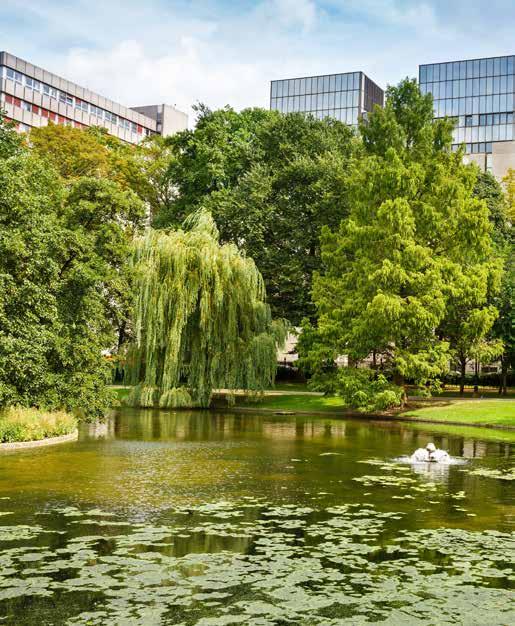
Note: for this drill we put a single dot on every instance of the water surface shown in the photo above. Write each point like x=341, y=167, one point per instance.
x=211, y=518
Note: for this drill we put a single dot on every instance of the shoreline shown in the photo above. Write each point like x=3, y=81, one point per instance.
x=392, y=417
x=38, y=443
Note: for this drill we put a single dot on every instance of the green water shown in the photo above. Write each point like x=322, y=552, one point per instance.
x=211, y=519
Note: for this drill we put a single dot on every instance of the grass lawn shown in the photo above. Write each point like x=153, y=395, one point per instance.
x=453, y=391
x=290, y=387
x=120, y=392
x=492, y=412
x=467, y=432
x=292, y=402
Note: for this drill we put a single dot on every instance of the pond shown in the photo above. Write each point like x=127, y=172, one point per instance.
x=212, y=518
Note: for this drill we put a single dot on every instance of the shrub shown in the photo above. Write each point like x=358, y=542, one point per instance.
x=22, y=424
x=366, y=390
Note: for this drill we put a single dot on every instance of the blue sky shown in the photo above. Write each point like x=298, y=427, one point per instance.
x=220, y=52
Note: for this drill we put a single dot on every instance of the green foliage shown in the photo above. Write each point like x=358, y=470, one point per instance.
x=409, y=274
x=20, y=424
x=201, y=322
x=271, y=182
x=63, y=252
x=366, y=390
x=509, y=182
x=10, y=141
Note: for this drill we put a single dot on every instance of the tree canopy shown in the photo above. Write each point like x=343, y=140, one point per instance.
x=410, y=271
x=270, y=182
x=64, y=246
x=200, y=318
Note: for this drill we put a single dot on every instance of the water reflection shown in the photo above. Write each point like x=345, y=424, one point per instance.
x=172, y=517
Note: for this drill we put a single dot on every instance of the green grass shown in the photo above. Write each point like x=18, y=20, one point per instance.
x=292, y=402
x=21, y=424
x=453, y=391
x=121, y=393
x=492, y=412
x=290, y=387
x=467, y=432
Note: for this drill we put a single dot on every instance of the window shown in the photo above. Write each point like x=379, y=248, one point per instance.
x=50, y=91
x=26, y=106
x=14, y=75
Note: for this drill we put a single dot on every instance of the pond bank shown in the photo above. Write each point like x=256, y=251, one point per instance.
x=493, y=413
x=497, y=414
x=48, y=441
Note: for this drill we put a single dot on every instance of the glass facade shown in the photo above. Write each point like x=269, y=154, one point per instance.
x=341, y=96
x=478, y=94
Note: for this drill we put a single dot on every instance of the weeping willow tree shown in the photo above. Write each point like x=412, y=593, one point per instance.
x=200, y=317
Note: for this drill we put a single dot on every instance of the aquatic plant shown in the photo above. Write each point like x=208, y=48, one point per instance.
x=255, y=562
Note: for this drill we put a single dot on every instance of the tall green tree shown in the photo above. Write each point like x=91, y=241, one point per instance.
x=271, y=181
x=64, y=246
x=200, y=317
x=416, y=244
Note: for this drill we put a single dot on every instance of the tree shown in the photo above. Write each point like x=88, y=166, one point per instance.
x=509, y=182
x=415, y=245
x=64, y=246
x=73, y=152
x=200, y=318
x=29, y=239
x=271, y=181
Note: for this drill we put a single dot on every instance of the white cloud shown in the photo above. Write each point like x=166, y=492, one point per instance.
x=291, y=13
x=226, y=52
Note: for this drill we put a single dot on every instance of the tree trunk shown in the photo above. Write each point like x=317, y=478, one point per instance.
x=504, y=377
x=463, y=370
x=398, y=379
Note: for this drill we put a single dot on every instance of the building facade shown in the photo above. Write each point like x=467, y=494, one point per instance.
x=479, y=95
x=32, y=97
x=345, y=97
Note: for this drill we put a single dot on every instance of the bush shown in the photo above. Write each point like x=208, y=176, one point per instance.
x=366, y=390
x=22, y=424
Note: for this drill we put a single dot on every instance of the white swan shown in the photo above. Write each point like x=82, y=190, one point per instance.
x=430, y=454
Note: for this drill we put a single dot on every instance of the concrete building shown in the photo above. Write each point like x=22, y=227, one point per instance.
x=32, y=97
x=169, y=120
x=345, y=97
x=479, y=95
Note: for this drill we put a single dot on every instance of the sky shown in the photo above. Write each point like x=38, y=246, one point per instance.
x=221, y=53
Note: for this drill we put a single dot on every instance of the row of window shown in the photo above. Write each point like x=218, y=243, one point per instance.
x=475, y=148
x=492, y=119
x=452, y=107
x=33, y=108
x=315, y=84
x=473, y=87
x=501, y=132
x=478, y=68
x=64, y=98
x=316, y=102
x=347, y=116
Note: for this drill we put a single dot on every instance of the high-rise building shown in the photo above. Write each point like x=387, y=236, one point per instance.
x=32, y=96
x=479, y=94
x=345, y=97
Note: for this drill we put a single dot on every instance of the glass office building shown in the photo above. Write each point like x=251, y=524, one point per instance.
x=479, y=95
x=344, y=97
